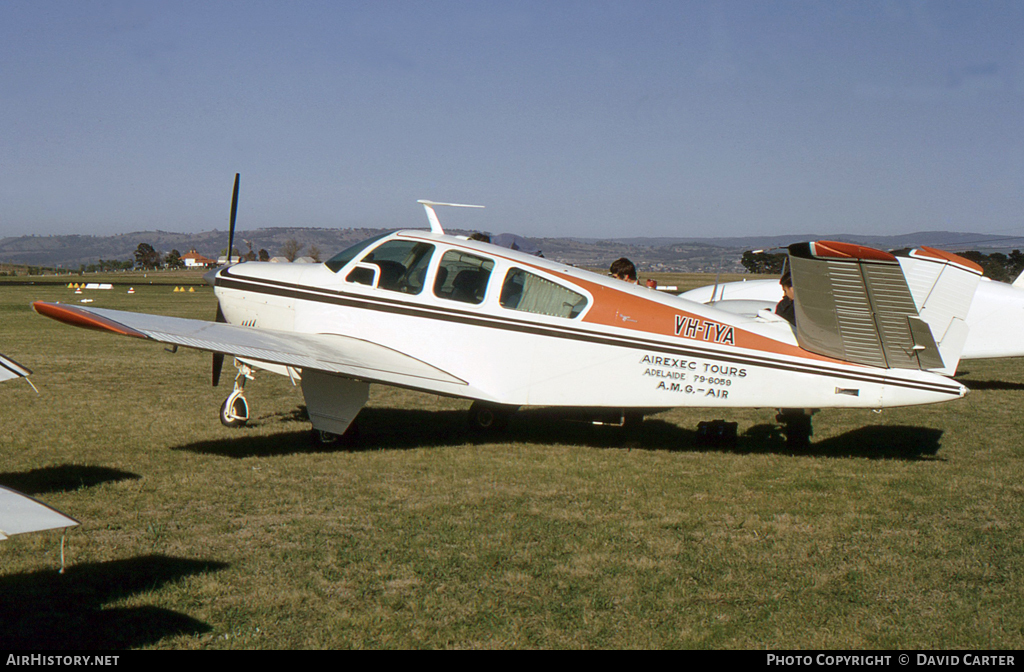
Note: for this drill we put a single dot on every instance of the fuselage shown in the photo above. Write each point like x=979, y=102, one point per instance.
x=522, y=330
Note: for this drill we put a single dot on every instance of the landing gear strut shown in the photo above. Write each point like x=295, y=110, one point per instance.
x=796, y=425
x=234, y=412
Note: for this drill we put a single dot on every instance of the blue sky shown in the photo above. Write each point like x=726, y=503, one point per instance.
x=564, y=118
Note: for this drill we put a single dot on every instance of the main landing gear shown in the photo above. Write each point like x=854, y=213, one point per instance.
x=796, y=425
x=234, y=412
x=486, y=417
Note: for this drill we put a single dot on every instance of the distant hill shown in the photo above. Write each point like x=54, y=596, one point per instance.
x=650, y=254
x=74, y=250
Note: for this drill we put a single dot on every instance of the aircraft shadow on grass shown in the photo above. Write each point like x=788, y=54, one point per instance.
x=48, y=610
x=403, y=429
x=991, y=384
x=62, y=478
x=882, y=442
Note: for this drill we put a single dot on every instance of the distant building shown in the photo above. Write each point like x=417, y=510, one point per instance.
x=193, y=259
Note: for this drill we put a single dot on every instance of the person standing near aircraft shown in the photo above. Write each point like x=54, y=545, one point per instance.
x=784, y=308
x=623, y=269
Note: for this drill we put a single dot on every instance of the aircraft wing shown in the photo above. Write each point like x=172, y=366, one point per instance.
x=343, y=355
x=11, y=369
x=866, y=306
x=20, y=513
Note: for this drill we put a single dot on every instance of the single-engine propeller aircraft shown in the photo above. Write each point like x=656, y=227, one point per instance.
x=458, y=317
x=995, y=319
x=20, y=513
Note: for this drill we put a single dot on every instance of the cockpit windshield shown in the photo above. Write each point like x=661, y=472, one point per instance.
x=337, y=261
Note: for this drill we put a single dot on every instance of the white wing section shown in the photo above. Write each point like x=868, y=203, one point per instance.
x=20, y=513
x=11, y=369
x=343, y=355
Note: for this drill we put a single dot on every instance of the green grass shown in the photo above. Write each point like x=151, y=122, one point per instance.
x=893, y=530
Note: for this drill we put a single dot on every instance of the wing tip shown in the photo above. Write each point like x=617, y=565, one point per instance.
x=81, y=317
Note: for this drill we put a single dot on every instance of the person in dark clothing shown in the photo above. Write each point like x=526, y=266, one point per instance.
x=785, y=308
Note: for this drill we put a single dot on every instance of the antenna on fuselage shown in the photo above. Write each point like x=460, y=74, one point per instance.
x=435, y=223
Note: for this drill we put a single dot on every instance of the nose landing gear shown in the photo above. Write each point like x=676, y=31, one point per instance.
x=234, y=412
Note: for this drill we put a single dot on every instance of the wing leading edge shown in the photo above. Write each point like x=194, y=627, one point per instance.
x=343, y=355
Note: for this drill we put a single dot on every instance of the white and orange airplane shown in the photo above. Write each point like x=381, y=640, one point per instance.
x=462, y=318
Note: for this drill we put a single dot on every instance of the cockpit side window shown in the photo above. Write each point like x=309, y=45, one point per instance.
x=337, y=261
x=462, y=277
x=402, y=266
x=531, y=293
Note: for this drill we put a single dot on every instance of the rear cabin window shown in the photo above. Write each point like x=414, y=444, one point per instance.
x=462, y=277
x=531, y=293
x=402, y=266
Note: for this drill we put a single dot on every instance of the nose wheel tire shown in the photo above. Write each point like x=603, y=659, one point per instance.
x=234, y=412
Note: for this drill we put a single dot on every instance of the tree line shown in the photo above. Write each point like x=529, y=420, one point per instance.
x=998, y=266
x=147, y=258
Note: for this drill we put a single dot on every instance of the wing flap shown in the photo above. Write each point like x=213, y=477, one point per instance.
x=333, y=353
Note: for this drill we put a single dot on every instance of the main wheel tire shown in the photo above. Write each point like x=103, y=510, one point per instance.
x=489, y=417
x=234, y=412
x=797, y=428
x=325, y=439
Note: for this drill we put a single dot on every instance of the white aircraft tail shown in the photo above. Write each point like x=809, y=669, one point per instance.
x=1019, y=282
x=943, y=286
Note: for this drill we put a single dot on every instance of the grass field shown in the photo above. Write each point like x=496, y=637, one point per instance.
x=893, y=530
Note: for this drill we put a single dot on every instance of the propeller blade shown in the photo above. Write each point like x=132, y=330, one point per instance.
x=218, y=357
x=218, y=364
x=234, y=211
